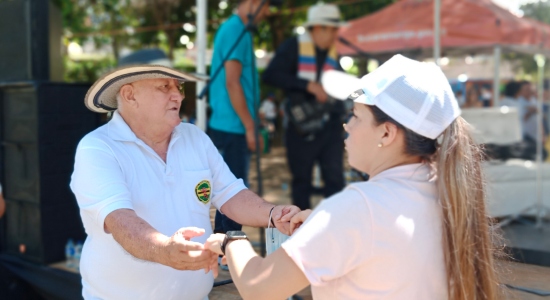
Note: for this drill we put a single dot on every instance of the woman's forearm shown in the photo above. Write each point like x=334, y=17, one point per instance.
x=243, y=263
x=273, y=277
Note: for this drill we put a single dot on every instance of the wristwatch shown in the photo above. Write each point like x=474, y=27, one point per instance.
x=231, y=236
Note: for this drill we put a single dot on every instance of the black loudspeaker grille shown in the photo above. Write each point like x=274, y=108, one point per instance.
x=15, y=59
x=41, y=127
x=25, y=39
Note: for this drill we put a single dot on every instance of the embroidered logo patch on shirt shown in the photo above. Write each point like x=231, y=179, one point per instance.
x=202, y=190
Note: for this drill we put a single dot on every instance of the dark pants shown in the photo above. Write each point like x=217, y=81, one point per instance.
x=327, y=148
x=235, y=153
x=530, y=151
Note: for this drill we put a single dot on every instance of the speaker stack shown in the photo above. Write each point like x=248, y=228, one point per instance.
x=41, y=123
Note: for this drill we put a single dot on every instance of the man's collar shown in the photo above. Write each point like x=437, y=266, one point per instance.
x=177, y=132
x=118, y=129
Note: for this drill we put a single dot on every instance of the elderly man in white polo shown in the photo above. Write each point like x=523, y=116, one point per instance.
x=144, y=183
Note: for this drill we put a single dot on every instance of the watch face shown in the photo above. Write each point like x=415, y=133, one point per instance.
x=236, y=235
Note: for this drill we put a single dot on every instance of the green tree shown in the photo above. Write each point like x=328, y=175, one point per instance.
x=539, y=11
x=138, y=24
x=280, y=25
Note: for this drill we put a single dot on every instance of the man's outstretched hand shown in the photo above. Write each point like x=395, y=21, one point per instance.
x=181, y=253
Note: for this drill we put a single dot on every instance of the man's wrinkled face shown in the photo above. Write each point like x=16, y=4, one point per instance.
x=158, y=101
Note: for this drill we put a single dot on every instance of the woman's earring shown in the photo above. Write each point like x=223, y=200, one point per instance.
x=380, y=145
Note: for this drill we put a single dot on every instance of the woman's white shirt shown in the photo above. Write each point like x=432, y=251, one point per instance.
x=380, y=239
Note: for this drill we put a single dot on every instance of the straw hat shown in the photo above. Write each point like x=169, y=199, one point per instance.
x=323, y=14
x=101, y=97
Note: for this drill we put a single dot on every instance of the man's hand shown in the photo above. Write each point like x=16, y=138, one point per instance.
x=298, y=219
x=183, y=254
x=317, y=89
x=251, y=140
x=282, y=214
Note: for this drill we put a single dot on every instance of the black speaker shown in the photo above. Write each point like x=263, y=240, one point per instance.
x=30, y=40
x=41, y=125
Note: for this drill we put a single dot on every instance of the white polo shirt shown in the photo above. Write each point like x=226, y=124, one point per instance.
x=115, y=170
x=380, y=239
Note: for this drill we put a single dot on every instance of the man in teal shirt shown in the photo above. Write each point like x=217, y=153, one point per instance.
x=233, y=95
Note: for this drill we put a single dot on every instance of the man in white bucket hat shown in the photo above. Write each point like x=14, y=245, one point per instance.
x=144, y=183
x=317, y=137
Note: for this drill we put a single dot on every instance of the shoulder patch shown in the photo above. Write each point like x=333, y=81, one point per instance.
x=203, y=191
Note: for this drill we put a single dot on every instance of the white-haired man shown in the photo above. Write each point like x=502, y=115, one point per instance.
x=144, y=183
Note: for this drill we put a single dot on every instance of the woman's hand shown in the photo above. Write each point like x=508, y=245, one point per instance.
x=214, y=243
x=282, y=215
x=298, y=219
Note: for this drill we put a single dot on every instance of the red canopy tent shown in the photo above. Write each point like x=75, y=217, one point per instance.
x=466, y=26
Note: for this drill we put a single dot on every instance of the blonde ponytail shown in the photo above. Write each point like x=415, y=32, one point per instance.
x=468, y=238
x=468, y=246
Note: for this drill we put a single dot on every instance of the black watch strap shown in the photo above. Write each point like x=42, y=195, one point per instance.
x=231, y=236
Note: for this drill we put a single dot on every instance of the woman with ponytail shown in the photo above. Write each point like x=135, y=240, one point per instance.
x=417, y=229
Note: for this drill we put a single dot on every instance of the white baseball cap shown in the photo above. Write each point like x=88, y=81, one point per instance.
x=323, y=14
x=415, y=94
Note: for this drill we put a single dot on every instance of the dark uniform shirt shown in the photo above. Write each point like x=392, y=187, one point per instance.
x=282, y=72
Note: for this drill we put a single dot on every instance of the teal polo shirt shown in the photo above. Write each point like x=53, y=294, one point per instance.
x=224, y=117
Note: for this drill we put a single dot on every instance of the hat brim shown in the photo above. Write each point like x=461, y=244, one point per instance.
x=324, y=23
x=101, y=97
x=343, y=86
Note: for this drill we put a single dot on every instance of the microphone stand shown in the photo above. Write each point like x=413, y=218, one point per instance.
x=251, y=27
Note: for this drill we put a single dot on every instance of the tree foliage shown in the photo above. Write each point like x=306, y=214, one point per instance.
x=138, y=24
x=539, y=11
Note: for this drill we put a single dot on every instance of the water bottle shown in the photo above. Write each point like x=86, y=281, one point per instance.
x=77, y=253
x=69, y=253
